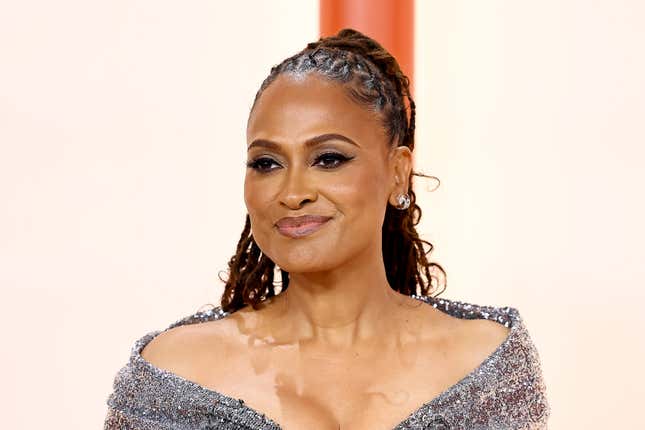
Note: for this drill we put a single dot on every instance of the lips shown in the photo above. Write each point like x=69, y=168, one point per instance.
x=301, y=220
x=302, y=225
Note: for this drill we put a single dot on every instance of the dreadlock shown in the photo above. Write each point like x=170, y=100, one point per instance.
x=374, y=80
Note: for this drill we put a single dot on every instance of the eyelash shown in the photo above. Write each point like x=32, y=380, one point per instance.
x=255, y=164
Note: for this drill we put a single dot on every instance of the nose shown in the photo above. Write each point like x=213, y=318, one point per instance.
x=296, y=189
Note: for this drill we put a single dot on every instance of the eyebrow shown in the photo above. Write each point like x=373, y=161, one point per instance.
x=308, y=143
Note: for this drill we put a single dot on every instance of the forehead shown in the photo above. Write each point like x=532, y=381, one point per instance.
x=294, y=108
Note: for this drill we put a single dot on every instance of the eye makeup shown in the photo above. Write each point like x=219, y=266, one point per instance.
x=331, y=160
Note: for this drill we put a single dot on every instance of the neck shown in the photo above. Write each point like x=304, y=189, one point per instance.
x=342, y=308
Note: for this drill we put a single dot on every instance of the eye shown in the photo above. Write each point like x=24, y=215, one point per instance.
x=328, y=160
x=261, y=164
x=332, y=160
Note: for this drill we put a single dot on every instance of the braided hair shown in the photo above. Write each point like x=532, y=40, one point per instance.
x=373, y=79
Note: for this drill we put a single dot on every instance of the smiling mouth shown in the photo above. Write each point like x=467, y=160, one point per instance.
x=302, y=229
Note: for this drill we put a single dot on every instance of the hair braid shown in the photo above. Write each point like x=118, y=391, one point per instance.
x=374, y=80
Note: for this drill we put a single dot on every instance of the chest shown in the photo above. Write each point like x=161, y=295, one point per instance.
x=320, y=392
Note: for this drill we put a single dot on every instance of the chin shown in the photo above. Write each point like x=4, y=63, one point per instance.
x=305, y=262
x=306, y=255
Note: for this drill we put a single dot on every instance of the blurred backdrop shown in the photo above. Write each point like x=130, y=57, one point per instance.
x=122, y=163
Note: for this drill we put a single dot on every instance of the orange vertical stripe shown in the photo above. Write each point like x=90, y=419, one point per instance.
x=389, y=22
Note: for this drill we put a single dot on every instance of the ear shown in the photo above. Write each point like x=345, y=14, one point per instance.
x=400, y=162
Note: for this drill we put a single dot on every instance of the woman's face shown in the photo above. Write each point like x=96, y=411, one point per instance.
x=302, y=162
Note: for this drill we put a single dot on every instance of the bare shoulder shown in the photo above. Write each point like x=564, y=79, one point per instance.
x=168, y=346
x=484, y=336
x=191, y=347
x=184, y=349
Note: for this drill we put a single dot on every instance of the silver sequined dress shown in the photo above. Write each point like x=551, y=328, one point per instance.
x=506, y=391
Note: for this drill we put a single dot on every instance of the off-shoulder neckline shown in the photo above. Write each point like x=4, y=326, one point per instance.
x=507, y=316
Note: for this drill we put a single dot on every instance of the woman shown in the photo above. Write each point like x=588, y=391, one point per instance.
x=352, y=340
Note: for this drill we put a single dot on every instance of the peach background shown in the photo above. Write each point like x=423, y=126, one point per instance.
x=121, y=169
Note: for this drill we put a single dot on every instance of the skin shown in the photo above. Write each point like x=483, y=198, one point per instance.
x=338, y=290
x=339, y=348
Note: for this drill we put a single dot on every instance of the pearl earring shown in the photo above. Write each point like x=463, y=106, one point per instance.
x=404, y=202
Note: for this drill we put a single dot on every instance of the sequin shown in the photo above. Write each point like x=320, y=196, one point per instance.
x=506, y=391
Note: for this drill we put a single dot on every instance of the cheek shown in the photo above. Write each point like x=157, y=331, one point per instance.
x=359, y=196
x=249, y=200
x=255, y=195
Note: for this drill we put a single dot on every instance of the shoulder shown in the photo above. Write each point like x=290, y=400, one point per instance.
x=192, y=341
x=171, y=346
x=512, y=372
x=483, y=335
x=480, y=330
x=203, y=340
x=477, y=326
x=144, y=393
x=478, y=339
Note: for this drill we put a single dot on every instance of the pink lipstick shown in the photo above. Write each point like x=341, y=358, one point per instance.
x=305, y=225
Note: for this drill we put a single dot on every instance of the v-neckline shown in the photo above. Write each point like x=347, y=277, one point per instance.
x=512, y=322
